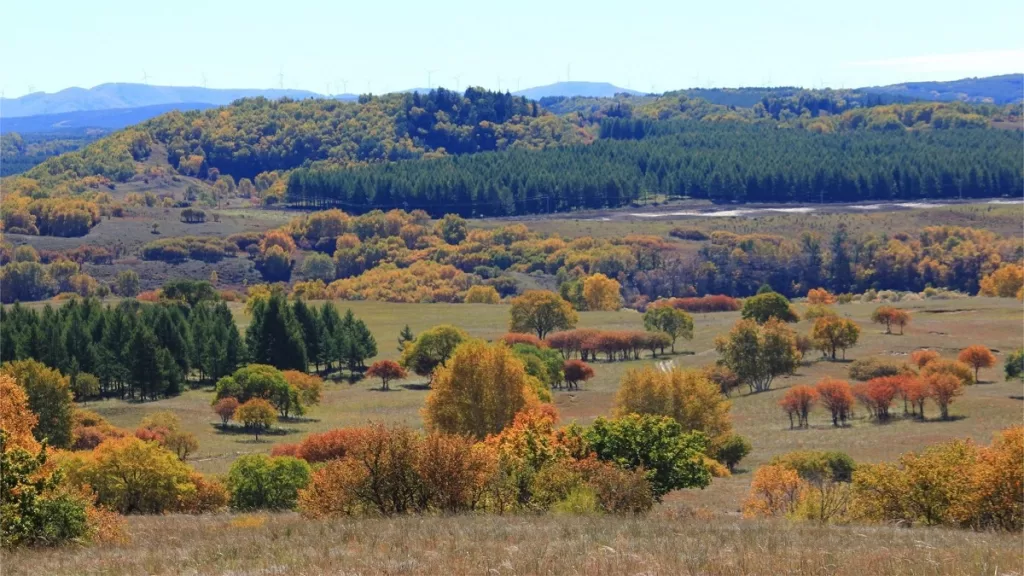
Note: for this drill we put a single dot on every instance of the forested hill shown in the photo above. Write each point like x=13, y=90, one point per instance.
x=353, y=154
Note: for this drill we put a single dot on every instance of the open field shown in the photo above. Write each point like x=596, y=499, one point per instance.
x=945, y=325
x=1002, y=218
x=658, y=544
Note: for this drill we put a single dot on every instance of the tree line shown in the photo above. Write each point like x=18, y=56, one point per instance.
x=728, y=162
x=146, y=351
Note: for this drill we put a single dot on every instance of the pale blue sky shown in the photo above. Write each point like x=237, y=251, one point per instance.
x=391, y=45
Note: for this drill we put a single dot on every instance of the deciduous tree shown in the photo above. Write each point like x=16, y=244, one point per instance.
x=386, y=370
x=256, y=415
x=674, y=322
x=542, y=312
x=601, y=293
x=479, y=391
x=831, y=333
x=797, y=402
x=837, y=397
x=757, y=354
x=977, y=357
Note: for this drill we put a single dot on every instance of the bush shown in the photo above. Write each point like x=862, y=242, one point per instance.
x=704, y=304
x=481, y=294
x=670, y=458
x=688, y=234
x=868, y=368
x=181, y=248
x=258, y=482
x=733, y=449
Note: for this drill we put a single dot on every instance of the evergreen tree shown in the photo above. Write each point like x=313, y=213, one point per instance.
x=312, y=331
x=404, y=337
x=274, y=336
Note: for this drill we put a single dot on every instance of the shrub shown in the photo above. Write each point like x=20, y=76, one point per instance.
x=769, y=305
x=256, y=415
x=257, y=482
x=703, y=304
x=776, y=490
x=481, y=294
x=820, y=296
x=921, y=358
x=576, y=371
x=688, y=234
x=330, y=445
x=49, y=398
x=670, y=458
x=733, y=449
x=513, y=338
x=133, y=476
x=225, y=408
x=181, y=248
x=958, y=370
x=868, y=368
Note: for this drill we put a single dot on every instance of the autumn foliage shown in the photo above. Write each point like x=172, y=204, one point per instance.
x=977, y=357
x=797, y=402
x=387, y=371
x=479, y=391
x=836, y=396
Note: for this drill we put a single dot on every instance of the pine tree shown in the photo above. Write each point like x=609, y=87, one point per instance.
x=311, y=331
x=274, y=336
x=404, y=337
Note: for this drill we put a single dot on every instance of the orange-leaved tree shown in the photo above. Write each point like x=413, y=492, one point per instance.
x=225, y=408
x=575, y=371
x=977, y=357
x=386, y=370
x=837, y=397
x=944, y=388
x=921, y=358
x=797, y=402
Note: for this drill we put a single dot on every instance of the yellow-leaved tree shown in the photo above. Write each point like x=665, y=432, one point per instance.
x=541, y=312
x=479, y=391
x=601, y=293
x=687, y=396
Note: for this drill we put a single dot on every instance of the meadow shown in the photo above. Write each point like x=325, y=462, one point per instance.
x=943, y=325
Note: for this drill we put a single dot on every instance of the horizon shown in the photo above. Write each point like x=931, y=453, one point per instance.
x=363, y=48
x=504, y=89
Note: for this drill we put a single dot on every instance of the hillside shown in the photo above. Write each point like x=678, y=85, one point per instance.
x=127, y=95
x=1005, y=89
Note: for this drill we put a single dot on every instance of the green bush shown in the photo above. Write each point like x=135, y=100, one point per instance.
x=259, y=482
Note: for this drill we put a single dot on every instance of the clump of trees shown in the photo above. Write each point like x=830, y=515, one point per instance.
x=956, y=484
x=759, y=353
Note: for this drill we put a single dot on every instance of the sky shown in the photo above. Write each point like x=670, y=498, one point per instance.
x=381, y=46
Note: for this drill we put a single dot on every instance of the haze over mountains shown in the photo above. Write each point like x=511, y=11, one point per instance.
x=117, y=105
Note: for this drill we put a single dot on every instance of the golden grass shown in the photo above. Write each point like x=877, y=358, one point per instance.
x=550, y=544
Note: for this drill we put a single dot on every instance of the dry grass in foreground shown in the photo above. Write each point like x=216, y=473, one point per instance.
x=657, y=544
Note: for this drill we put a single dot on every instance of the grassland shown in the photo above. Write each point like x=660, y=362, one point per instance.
x=944, y=325
x=659, y=544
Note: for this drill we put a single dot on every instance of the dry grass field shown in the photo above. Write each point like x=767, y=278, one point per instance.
x=658, y=544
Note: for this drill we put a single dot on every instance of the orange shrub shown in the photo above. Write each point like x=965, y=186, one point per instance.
x=775, y=491
x=820, y=296
x=330, y=445
x=513, y=338
x=880, y=393
x=943, y=388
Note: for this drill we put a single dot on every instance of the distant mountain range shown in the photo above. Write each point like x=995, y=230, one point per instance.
x=107, y=120
x=1004, y=89
x=569, y=89
x=115, y=106
x=109, y=96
